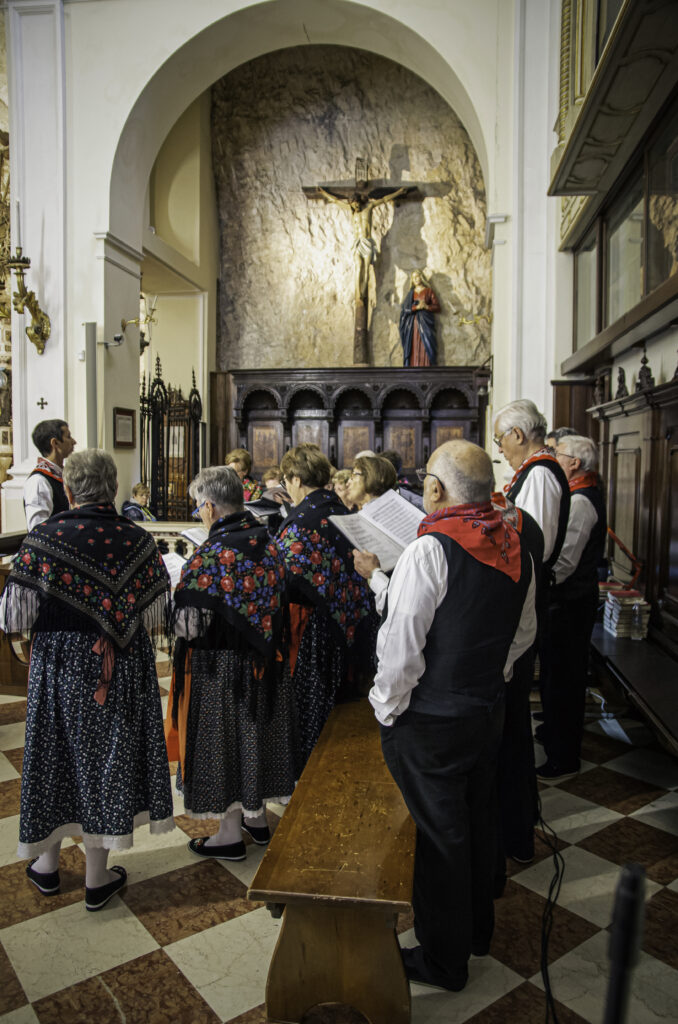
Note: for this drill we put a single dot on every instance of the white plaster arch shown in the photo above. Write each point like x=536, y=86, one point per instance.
x=241, y=36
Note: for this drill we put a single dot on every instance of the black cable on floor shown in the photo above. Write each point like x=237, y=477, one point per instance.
x=551, y=840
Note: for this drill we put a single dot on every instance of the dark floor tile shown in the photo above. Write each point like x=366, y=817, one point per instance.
x=197, y=827
x=598, y=749
x=660, y=935
x=187, y=901
x=631, y=841
x=13, y=712
x=15, y=758
x=517, y=934
x=10, y=797
x=526, y=1005
x=542, y=850
x=21, y=901
x=173, y=767
x=148, y=989
x=619, y=792
x=257, y=1015
x=12, y=995
x=163, y=691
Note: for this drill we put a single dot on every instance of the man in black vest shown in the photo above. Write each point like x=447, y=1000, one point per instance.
x=539, y=487
x=44, y=490
x=460, y=610
x=573, y=603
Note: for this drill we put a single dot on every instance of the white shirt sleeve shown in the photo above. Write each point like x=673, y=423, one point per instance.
x=417, y=588
x=12, y=616
x=378, y=583
x=38, y=500
x=527, y=628
x=540, y=496
x=580, y=523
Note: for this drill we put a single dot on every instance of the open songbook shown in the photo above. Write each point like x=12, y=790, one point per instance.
x=385, y=527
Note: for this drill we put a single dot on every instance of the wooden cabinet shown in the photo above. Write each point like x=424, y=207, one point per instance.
x=345, y=410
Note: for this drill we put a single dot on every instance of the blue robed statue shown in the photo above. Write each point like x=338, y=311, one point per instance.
x=417, y=323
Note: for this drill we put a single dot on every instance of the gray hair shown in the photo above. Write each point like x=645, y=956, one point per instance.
x=579, y=447
x=558, y=433
x=219, y=484
x=463, y=488
x=524, y=415
x=91, y=475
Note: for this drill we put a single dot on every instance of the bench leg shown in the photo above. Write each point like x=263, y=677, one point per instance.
x=334, y=954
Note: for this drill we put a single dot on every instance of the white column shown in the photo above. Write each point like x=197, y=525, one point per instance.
x=35, y=44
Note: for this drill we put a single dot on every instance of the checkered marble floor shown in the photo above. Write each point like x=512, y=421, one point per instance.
x=182, y=945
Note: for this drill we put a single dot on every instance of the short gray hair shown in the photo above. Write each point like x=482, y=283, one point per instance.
x=219, y=484
x=459, y=485
x=579, y=447
x=91, y=476
x=524, y=415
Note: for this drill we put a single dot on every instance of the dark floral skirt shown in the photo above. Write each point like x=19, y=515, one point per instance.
x=242, y=743
x=96, y=770
x=319, y=674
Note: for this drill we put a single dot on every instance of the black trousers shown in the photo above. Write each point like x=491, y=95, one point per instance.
x=516, y=777
x=446, y=770
x=564, y=683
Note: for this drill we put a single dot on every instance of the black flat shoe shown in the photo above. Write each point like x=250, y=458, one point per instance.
x=47, y=884
x=232, y=851
x=97, y=897
x=261, y=836
x=416, y=970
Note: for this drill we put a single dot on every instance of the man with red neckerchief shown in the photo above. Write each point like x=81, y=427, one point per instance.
x=573, y=603
x=460, y=611
x=538, y=487
x=44, y=493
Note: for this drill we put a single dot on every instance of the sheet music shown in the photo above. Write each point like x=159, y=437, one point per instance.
x=174, y=563
x=395, y=516
x=367, y=537
x=196, y=534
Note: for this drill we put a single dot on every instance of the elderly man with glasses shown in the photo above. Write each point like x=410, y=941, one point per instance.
x=573, y=603
x=460, y=611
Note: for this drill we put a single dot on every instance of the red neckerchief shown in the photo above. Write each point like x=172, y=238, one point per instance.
x=585, y=480
x=543, y=455
x=48, y=468
x=482, y=531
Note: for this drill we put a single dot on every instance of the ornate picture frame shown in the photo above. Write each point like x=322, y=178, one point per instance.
x=124, y=428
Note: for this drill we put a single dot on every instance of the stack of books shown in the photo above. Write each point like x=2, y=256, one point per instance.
x=627, y=614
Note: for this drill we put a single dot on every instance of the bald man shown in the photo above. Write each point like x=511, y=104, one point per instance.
x=460, y=611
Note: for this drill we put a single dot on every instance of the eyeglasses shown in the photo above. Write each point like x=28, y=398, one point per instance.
x=195, y=514
x=498, y=440
x=423, y=473
x=559, y=455
x=356, y=472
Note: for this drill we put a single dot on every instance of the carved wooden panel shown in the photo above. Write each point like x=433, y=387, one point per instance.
x=265, y=445
x=404, y=438
x=353, y=438
x=624, y=492
x=442, y=432
x=310, y=432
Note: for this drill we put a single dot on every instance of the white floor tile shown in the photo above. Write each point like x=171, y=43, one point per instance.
x=571, y=817
x=579, y=980
x=662, y=813
x=154, y=855
x=228, y=964
x=24, y=1015
x=652, y=766
x=588, y=887
x=12, y=736
x=64, y=947
x=245, y=870
x=7, y=769
x=6, y=698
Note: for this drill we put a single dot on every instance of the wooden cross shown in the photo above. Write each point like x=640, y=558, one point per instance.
x=42, y=403
x=361, y=200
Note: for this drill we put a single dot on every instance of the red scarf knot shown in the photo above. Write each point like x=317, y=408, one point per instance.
x=476, y=529
x=543, y=455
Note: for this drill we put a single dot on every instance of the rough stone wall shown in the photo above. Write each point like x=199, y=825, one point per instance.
x=300, y=117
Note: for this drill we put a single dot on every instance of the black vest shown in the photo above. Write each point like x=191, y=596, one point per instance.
x=564, y=510
x=584, y=579
x=471, y=634
x=59, y=499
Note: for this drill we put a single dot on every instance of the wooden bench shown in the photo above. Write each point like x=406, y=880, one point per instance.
x=341, y=862
x=647, y=675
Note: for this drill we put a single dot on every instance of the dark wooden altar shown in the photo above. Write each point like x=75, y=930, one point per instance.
x=345, y=410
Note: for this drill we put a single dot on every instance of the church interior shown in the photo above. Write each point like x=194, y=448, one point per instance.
x=211, y=218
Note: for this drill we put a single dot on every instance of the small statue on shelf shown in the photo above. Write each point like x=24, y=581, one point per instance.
x=622, y=390
x=645, y=378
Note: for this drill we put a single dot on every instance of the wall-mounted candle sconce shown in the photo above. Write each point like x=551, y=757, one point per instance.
x=147, y=318
x=23, y=299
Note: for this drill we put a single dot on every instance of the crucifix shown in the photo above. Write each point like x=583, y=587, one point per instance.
x=361, y=200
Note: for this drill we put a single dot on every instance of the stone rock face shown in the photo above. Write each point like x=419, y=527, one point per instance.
x=300, y=117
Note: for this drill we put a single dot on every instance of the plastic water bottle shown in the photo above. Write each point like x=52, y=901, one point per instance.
x=637, y=628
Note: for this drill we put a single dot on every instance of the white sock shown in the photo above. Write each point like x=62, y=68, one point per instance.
x=96, y=872
x=49, y=860
x=256, y=820
x=229, y=831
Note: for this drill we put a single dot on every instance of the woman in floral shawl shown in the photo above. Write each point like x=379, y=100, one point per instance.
x=232, y=702
x=328, y=599
x=90, y=586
